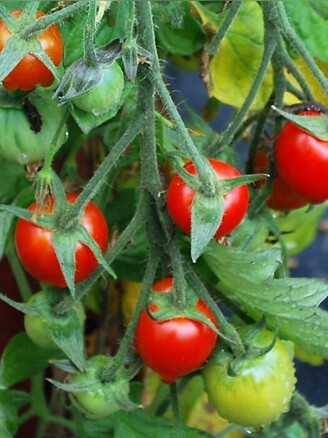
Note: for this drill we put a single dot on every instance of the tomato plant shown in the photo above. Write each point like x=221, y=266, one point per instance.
x=180, y=197
x=30, y=71
x=305, y=172
x=177, y=346
x=36, y=253
x=258, y=391
x=105, y=86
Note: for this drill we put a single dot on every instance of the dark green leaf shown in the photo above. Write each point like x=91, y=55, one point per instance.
x=206, y=216
x=22, y=359
x=289, y=304
x=184, y=39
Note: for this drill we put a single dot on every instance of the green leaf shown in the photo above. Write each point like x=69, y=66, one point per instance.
x=22, y=359
x=10, y=404
x=310, y=27
x=206, y=217
x=88, y=121
x=315, y=125
x=234, y=68
x=289, y=304
x=186, y=39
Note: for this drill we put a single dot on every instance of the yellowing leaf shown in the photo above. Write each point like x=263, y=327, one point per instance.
x=317, y=91
x=234, y=67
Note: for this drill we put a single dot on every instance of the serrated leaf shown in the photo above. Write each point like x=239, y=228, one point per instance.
x=290, y=305
x=22, y=359
x=315, y=125
x=10, y=404
x=206, y=217
x=234, y=68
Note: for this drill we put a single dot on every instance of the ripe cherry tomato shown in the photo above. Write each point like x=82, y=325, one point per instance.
x=30, y=71
x=302, y=161
x=282, y=197
x=175, y=347
x=259, y=392
x=180, y=197
x=36, y=253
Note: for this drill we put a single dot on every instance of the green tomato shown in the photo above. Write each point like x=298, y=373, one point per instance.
x=37, y=328
x=22, y=144
x=260, y=392
x=105, y=95
x=100, y=399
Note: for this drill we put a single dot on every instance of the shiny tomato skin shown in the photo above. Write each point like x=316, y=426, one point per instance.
x=30, y=71
x=261, y=389
x=175, y=347
x=37, y=255
x=282, y=197
x=302, y=161
x=180, y=197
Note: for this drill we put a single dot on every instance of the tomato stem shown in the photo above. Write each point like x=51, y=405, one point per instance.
x=89, y=35
x=178, y=432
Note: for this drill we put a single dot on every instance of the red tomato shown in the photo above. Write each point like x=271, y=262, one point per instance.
x=30, y=71
x=282, y=197
x=175, y=347
x=37, y=255
x=302, y=161
x=180, y=197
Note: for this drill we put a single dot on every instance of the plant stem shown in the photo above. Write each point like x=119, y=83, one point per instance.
x=146, y=26
x=270, y=43
x=291, y=36
x=178, y=432
x=45, y=21
x=147, y=282
x=228, y=331
x=19, y=274
x=98, y=179
x=233, y=10
x=89, y=35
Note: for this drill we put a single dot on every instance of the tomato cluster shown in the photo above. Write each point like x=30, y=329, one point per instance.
x=174, y=347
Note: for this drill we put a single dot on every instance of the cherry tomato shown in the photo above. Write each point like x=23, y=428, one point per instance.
x=282, y=197
x=30, y=71
x=99, y=399
x=180, y=197
x=175, y=347
x=36, y=253
x=105, y=95
x=259, y=392
x=37, y=328
x=302, y=161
